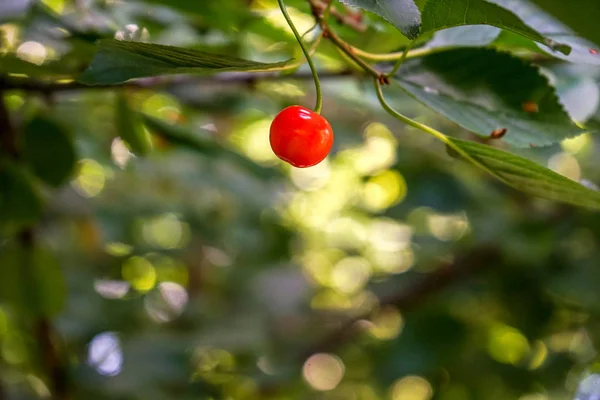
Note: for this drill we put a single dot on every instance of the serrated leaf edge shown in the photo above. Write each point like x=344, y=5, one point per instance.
x=553, y=93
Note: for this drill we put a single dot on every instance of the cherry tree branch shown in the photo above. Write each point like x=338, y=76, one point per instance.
x=351, y=19
x=414, y=294
x=227, y=78
x=422, y=290
x=43, y=331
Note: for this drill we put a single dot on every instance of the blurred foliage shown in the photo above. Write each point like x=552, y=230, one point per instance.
x=153, y=247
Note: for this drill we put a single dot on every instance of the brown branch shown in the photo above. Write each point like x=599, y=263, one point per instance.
x=43, y=330
x=344, y=47
x=352, y=20
x=45, y=87
x=419, y=292
x=55, y=368
x=44, y=334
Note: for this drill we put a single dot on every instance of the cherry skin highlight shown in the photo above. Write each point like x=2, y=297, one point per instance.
x=300, y=136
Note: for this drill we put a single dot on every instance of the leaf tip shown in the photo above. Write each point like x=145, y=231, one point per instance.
x=557, y=46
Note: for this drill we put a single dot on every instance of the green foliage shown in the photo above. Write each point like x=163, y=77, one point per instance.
x=117, y=61
x=130, y=127
x=32, y=281
x=153, y=247
x=403, y=14
x=48, y=149
x=468, y=35
x=483, y=90
x=554, y=29
x=205, y=146
x=439, y=14
x=20, y=204
x=529, y=177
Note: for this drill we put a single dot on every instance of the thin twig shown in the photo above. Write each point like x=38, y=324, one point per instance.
x=351, y=20
x=33, y=85
x=347, y=49
x=307, y=55
x=344, y=47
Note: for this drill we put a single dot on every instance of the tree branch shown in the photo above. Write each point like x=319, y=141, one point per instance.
x=44, y=333
x=419, y=292
x=344, y=47
x=33, y=85
x=43, y=330
x=351, y=19
x=57, y=373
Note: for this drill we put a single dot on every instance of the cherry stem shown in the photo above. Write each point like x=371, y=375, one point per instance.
x=347, y=50
x=427, y=129
x=400, y=60
x=327, y=10
x=313, y=70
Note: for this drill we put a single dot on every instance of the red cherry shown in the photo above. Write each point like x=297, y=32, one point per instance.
x=300, y=136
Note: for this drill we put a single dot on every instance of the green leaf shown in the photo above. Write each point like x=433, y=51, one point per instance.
x=49, y=149
x=65, y=66
x=118, y=61
x=403, y=14
x=11, y=64
x=442, y=14
x=576, y=87
x=203, y=145
x=32, y=280
x=582, y=50
x=20, y=204
x=529, y=177
x=130, y=129
x=483, y=90
x=464, y=36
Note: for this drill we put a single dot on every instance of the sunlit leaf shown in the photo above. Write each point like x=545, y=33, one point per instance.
x=529, y=177
x=442, y=14
x=403, y=14
x=468, y=35
x=118, y=61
